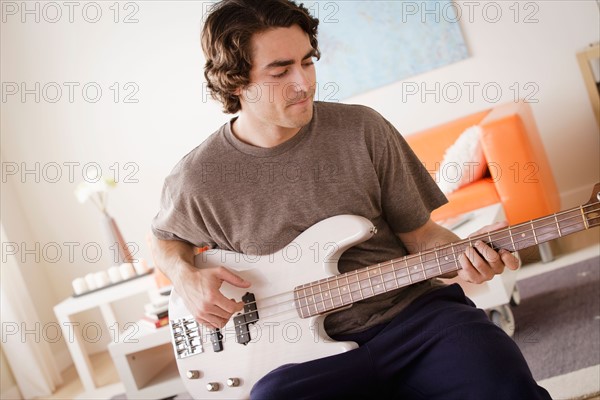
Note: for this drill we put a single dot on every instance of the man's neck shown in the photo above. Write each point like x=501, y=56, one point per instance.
x=261, y=135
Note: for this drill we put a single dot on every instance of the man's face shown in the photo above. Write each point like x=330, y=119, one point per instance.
x=282, y=80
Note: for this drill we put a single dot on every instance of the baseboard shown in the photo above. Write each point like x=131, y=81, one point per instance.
x=11, y=394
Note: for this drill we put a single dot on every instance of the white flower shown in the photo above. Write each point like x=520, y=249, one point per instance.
x=95, y=191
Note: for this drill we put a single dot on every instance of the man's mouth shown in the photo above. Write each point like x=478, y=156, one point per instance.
x=302, y=101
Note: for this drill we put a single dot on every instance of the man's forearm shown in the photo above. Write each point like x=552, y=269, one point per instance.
x=430, y=236
x=172, y=257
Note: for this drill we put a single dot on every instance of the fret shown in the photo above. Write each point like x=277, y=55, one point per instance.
x=437, y=258
x=314, y=299
x=381, y=277
x=422, y=266
x=570, y=222
x=370, y=281
x=302, y=299
x=310, y=301
x=346, y=289
x=514, y=248
x=318, y=297
x=350, y=284
x=557, y=226
x=388, y=276
x=522, y=235
x=341, y=289
x=364, y=282
x=585, y=222
x=328, y=294
x=415, y=270
x=354, y=285
x=534, y=234
x=376, y=280
x=408, y=271
x=339, y=295
x=334, y=293
x=455, y=258
x=395, y=275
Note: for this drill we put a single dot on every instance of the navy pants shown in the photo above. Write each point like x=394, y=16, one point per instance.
x=439, y=347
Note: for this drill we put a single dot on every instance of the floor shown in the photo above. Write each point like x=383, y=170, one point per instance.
x=106, y=377
x=579, y=246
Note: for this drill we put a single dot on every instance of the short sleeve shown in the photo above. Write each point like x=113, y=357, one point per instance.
x=178, y=217
x=408, y=193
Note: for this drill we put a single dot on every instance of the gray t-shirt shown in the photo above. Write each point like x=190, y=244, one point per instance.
x=347, y=160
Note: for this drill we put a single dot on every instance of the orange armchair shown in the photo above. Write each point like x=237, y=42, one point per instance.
x=519, y=175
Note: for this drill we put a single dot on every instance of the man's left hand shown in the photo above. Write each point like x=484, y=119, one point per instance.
x=480, y=263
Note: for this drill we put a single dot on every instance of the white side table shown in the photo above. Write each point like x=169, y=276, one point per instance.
x=71, y=329
x=146, y=363
x=494, y=295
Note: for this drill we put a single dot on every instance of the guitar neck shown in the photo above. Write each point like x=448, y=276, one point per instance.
x=345, y=289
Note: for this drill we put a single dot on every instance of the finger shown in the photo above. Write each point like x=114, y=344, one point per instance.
x=211, y=321
x=468, y=272
x=227, y=305
x=509, y=259
x=479, y=263
x=217, y=304
x=492, y=257
x=229, y=277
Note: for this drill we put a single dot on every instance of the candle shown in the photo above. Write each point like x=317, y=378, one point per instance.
x=127, y=271
x=114, y=274
x=90, y=281
x=101, y=279
x=79, y=286
x=140, y=266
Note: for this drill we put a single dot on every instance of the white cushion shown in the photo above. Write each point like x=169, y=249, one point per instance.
x=463, y=162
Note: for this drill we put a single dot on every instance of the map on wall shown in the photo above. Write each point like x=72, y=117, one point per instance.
x=368, y=44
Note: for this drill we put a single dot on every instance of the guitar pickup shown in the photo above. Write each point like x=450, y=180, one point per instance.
x=242, y=321
x=250, y=308
x=216, y=338
x=242, y=333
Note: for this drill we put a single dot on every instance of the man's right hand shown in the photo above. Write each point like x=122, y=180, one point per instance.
x=199, y=289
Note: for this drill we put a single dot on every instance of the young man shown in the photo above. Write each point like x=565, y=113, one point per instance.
x=287, y=162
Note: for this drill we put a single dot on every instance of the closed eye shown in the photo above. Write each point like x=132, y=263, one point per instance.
x=280, y=75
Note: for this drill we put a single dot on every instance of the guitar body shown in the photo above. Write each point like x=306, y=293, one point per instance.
x=278, y=335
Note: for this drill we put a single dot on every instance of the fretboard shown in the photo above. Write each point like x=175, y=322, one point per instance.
x=338, y=291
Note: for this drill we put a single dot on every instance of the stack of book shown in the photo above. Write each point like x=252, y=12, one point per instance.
x=156, y=313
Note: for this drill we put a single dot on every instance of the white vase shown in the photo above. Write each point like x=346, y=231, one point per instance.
x=119, y=252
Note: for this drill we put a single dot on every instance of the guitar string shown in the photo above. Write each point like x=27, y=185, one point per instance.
x=394, y=272
x=412, y=257
x=293, y=308
x=406, y=269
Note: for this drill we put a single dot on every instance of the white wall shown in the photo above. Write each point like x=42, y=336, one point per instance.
x=160, y=54
x=536, y=60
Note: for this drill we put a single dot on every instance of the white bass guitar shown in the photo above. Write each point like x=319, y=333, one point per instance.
x=292, y=289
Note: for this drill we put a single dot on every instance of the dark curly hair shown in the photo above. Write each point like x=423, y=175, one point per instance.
x=226, y=41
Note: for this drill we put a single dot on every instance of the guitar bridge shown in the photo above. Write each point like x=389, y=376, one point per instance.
x=186, y=337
